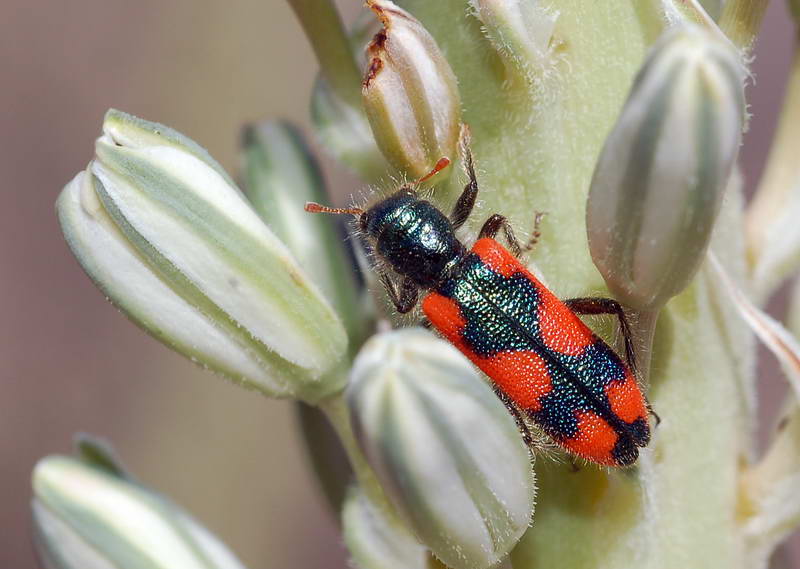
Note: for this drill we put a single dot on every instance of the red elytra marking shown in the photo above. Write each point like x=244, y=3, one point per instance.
x=595, y=440
x=497, y=257
x=561, y=330
x=521, y=375
x=626, y=399
x=446, y=316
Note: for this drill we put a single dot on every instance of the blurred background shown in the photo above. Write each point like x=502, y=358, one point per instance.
x=69, y=362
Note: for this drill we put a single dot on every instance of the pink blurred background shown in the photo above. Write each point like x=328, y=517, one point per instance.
x=69, y=362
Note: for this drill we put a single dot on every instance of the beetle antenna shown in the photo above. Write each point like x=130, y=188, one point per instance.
x=314, y=207
x=443, y=163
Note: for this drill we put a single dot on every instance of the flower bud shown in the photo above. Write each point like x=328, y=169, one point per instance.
x=374, y=542
x=520, y=30
x=444, y=447
x=410, y=93
x=86, y=517
x=345, y=132
x=281, y=176
x=174, y=244
x=659, y=181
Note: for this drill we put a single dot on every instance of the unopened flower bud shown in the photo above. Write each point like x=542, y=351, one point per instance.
x=660, y=178
x=345, y=132
x=410, y=93
x=174, y=244
x=281, y=176
x=520, y=30
x=85, y=516
x=444, y=447
x=376, y=543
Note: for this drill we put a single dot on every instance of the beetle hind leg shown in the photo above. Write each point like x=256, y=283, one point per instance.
x=607, y=306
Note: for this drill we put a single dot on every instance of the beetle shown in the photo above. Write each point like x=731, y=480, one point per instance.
x=545, y=363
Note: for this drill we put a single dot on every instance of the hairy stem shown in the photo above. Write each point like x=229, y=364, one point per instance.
x=335, y=408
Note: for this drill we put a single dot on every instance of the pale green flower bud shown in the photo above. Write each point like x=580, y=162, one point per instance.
x=345, y=132
x=520, y=30
x=410, y=93
x=281, y=175
x=376, y=543
x=174, y=244
x=444, y=447
x=86, y=517
x=659, y=181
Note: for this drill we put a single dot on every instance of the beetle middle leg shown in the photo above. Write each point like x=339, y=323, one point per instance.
x=403, y=299
x=497, y=222
x=607, y=306
x=527, y=437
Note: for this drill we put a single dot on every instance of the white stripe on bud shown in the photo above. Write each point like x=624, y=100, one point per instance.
x=443, y=446
x=659, y=181
x=410, y=93
x=171, y=242
x=86, y=518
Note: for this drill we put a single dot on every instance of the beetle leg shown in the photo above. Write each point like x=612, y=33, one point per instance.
x=607, y=306
x=406, y=298
x=496, y=222
x=466, y=201
x=512, y=408
x=493, y=226
x=653, y=413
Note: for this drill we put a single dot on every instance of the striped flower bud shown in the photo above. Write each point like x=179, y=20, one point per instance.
x=164, y=233
x=376, y=543
x=445, y=449
x=410, y=93
x=87, y=517
x=659, y=181
x=281, y=176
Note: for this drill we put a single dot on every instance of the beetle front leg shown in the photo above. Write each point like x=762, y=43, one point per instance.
x=466, y=201
x=406, y=298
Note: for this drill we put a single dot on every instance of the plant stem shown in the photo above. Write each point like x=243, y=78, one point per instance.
x=779, y=180
x=335, y=408
x=643, y=328
x=328, y=38
x=741, y=20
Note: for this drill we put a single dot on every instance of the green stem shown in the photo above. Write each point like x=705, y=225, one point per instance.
x=741, y=20
x=643, y=328
x=778, y=181
x=335, y=408
x=328, y=38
